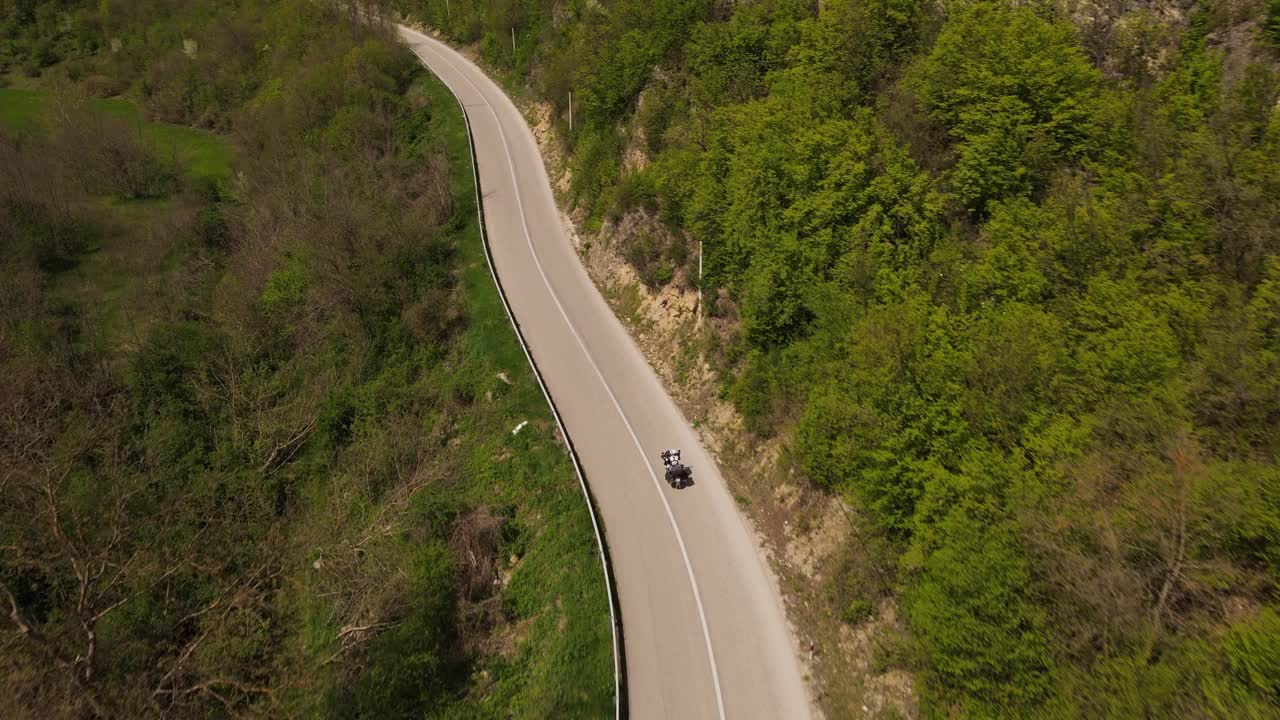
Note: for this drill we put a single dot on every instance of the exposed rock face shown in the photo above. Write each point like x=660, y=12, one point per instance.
x=1129, y=38
x=1140, y=39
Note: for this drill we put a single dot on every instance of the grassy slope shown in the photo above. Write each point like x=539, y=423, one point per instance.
x=551, y=657
x=563, y=667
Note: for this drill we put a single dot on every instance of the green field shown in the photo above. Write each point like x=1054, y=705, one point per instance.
x=114, y=279
x=203, y=154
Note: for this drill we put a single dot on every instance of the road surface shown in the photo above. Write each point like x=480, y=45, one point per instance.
x=703, y=627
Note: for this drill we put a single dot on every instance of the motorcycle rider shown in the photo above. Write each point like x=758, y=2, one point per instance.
x=678, y=474
x=670, y=457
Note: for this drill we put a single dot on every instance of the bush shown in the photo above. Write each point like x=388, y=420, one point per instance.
x=857, y=612
x=755, y=391
x=1253, y=654
x=170, y=362
x=285, y=288
x=210, y=227
x=650, y=258
x=113, y=157
x=774, y=312
x=412, y=667
x=52, y=238
x=596, y=158
x=636, y=189
x=655, y=116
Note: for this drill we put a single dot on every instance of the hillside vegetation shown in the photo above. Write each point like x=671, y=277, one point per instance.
x=1006, y=277
x=257, y=389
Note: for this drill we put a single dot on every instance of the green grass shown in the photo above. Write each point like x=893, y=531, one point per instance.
x=118, y=282
x=205, y=155
x=562, y=663
x=22, y=111
x=110, y=280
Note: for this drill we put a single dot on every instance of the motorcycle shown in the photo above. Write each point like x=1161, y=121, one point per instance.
x=678, y=475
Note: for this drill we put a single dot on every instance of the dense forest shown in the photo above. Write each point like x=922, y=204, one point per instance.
x=257, y=388
x=1006, y=277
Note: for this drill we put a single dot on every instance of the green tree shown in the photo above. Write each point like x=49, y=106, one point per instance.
x=1016, y=93
x=978, y=623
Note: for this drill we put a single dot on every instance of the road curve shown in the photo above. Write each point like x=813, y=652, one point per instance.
x=703, y=625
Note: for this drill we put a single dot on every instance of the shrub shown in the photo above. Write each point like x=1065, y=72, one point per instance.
x=649, y=256
x=857, y=612
x=412, y=666
x=595, y=167
x=636, y=189
x=113, y=157
x=1253, y=653
x=285, y=288
x=52, y=238
x=210, y=227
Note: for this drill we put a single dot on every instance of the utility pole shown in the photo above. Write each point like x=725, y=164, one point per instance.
x=699, y=278
x=570, y=111
x=448, y=11
x=513, y=43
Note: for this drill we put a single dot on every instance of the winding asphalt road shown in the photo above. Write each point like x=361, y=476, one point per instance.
x=704, y=630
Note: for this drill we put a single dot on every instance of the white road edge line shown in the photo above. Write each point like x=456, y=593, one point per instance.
x=577, y=466
x=693, y=582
